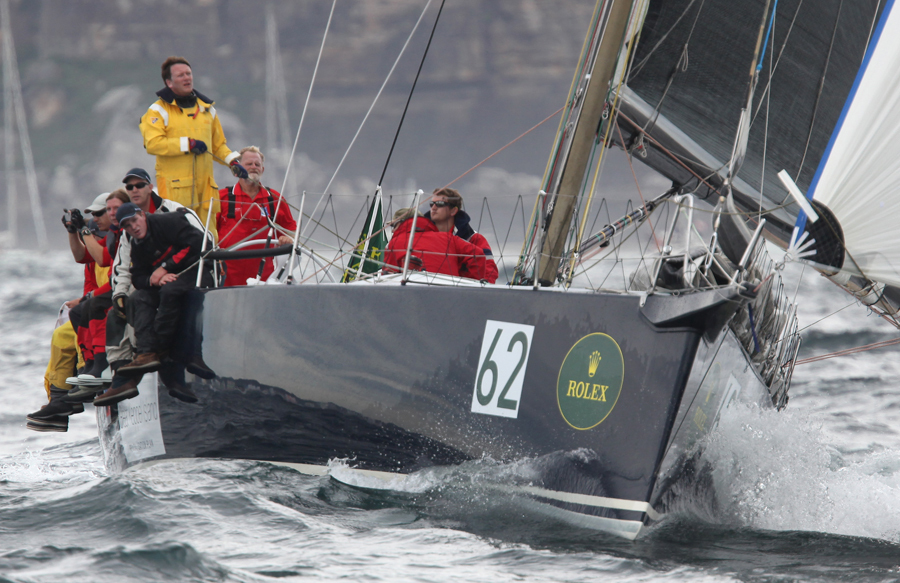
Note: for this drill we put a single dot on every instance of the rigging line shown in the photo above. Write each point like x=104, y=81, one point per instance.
x=871, y=29
x=669, y=153
x=768, y=96
x=768, y=33
x=849, y=351
x=287, y=170
x=411, y=90
x=380, y=91
x=812, y=122
x=826, y=317
x=640, y=65
x=643, y=202
x=778, y=60
x=682, y=64
x=525, y=133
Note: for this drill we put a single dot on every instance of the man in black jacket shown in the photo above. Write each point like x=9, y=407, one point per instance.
x=165, y=254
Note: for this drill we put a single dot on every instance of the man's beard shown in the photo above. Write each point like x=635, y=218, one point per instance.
x=252, y=178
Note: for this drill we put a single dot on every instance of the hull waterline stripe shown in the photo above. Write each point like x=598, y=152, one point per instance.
x=595, y=501
x=568, y=497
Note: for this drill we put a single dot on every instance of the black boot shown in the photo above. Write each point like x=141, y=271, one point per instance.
x=100, y=365
x=88, y=364
x=54, y=416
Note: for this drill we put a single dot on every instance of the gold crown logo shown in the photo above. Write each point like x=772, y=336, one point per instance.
x=593, y=364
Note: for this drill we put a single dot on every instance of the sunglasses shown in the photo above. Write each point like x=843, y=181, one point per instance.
x=440, y=204
x=136, y=185
x=98, y=213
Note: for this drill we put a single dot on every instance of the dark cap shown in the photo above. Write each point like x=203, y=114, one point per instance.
x=138, y=173
x=126, y=211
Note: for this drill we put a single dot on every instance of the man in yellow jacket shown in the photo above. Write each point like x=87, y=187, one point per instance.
x=181, y=129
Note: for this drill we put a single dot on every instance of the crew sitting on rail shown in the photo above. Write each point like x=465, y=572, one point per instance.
x=165, y=261
x=434, y=251
x=119, y=331
x=449, y=217
x=64, y=351
x=246, y=214
x=98, y=307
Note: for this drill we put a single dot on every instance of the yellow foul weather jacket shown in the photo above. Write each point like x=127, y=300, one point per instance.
x=181, y=176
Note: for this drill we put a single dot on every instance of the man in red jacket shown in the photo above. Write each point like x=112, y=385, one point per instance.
x=432, y=250
x=448, y=216
x=245, y=211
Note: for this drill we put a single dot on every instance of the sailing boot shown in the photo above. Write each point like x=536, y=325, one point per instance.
x=117, y=392
x=54, y=415
x=142, y=363
x=73, y=380
x=95, y=372
x=56, y=423
x=182, y=392
x=198, y=367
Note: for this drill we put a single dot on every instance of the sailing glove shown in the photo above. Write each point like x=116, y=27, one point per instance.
x=67, y=222
x=196, y=146
x=119, y=305
x=238, y=170
x=72, y=220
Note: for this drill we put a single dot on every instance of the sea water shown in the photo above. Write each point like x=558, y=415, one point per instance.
x=811, y=493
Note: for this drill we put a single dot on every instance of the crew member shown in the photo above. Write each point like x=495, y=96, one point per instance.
x=246, y=209
x=119, y=332
x=447, y=214
x=98, y=307
x=165, y=254
x=64, y=354
x=433, y=250
x=182, y=130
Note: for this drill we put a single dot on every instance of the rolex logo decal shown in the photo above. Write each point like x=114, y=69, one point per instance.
x=590, y=381
x=594, y=363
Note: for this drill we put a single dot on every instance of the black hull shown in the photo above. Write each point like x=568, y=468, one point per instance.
x=385, y=377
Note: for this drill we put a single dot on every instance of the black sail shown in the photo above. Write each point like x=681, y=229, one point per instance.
x=690, y=79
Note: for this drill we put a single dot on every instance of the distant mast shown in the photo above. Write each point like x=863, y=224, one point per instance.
x=277, y=125
x=14, y=112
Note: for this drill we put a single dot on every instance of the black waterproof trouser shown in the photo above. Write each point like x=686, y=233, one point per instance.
x=157, y=311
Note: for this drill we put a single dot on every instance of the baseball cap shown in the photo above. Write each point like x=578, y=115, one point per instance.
x=126, y=211
x=98, y=205
x=138, y=173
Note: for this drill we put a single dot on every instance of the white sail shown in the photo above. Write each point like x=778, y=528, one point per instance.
x=859, y=175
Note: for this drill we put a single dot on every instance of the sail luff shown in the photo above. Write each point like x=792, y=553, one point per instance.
x=858, y=178
x=585, y=133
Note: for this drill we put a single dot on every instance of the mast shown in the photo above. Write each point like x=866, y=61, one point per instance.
x=14, y=107
x=564, y=194
x=8, y=137
x=276, y=91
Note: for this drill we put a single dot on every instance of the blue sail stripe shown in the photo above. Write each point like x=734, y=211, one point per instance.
x=800, y=225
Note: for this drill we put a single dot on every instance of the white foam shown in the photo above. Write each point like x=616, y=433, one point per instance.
x=778, y=471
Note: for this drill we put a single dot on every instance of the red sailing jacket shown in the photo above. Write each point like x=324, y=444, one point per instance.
x=439, y=252
x=237, y=205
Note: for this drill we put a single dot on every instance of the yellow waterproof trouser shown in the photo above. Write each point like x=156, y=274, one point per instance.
x=64, y=358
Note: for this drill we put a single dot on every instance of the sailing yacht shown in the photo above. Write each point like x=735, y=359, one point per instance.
x=606, y=393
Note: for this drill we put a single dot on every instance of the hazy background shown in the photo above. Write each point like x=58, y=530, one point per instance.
x=89, y=69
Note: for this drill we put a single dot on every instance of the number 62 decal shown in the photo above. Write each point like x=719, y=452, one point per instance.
x=501, y=368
